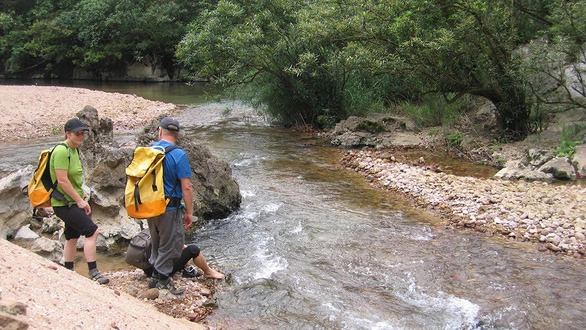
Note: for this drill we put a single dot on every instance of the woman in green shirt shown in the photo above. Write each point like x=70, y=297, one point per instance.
x=74, y=209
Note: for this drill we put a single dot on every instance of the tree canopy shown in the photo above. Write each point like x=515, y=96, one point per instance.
x=317, y=62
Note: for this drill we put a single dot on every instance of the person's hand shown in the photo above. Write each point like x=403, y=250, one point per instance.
x=84, y=205
x=187, y=220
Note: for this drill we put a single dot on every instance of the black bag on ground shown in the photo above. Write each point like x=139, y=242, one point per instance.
x=139, y=250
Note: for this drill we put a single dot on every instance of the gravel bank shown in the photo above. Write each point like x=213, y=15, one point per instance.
x=552, y=216
x=31, y=112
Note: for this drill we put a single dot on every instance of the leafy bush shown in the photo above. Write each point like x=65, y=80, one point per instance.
x=434, y=110
x=454, y=139
x=571, y=137
x=567, y=148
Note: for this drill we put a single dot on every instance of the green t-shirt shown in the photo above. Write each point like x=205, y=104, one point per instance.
x=65, y=158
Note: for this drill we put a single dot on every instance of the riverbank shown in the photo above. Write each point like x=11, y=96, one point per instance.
x=552, y=216
x=33, y=112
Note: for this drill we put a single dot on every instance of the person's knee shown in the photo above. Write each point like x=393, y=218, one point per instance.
x=92, y=232
x=193, y=250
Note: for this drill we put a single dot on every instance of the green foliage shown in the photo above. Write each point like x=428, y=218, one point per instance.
x=435, y=110
x=571, y=137
x=454, y=139
x=567, y=148
x=326, y=119
x=557, y=59
x=317, y=62
x=356, y=57
x=99, y=35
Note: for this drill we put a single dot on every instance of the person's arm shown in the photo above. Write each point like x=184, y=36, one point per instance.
x=187, y=191
x=67, y=187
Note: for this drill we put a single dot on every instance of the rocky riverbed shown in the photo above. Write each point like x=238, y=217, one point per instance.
x=547, y=214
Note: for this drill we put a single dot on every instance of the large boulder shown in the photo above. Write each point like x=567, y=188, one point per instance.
x=217, y=192
x=376, y=130
x=560, y=168
x=15, y=208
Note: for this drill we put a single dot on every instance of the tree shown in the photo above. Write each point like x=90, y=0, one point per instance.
x=555, y=64
x=55, y=36
x=461, y=47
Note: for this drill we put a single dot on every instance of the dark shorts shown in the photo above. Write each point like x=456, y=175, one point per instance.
x=77, y=223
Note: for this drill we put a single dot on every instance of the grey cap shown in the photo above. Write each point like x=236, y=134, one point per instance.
x=170, y=124
x=75, y=125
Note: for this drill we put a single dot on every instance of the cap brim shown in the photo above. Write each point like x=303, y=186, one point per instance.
x=80, y=129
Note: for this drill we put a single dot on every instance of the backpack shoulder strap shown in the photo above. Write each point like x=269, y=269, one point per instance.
x=167, y=150
x=66, y=147
x=56, y=193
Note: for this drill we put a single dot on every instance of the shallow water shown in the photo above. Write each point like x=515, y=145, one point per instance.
x=315, y=247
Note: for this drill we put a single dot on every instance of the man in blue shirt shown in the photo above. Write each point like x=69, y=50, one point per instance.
x=168, y=230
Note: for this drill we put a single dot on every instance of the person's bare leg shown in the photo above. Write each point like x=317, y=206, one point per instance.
x=69, y=250
x=208, y=272
x=89, y=247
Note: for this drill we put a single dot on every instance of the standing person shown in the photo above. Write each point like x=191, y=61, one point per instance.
x=168, y=230
x=69, y=202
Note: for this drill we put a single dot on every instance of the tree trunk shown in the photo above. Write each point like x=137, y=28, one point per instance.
x=513, y=116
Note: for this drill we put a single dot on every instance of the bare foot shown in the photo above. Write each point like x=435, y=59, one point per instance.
x=213, y=274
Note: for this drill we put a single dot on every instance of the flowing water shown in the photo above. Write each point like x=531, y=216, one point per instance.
x=313, y=246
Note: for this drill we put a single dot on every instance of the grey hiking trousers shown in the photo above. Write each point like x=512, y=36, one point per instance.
x=168, y=237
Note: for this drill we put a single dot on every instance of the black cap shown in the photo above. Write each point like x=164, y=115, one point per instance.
x=75, y=125
x=170, y=124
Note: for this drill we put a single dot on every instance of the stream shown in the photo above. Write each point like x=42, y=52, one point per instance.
x=314, y=246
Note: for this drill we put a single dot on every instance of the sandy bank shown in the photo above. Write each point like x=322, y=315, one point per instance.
x=40, y=111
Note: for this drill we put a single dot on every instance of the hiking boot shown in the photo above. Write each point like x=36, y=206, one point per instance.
x=152, y=282
x=95, y=275
x=190, y=271
x=169, y=285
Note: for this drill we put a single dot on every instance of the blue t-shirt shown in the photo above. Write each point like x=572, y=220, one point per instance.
x=175, y=167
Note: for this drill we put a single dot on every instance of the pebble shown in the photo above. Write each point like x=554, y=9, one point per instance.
x=535, y=212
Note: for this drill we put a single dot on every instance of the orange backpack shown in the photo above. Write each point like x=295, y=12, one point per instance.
x=41, y=188
x=144, y=195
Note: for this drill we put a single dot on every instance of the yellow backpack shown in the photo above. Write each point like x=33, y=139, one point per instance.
x=41, y=187
x=144, y=195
